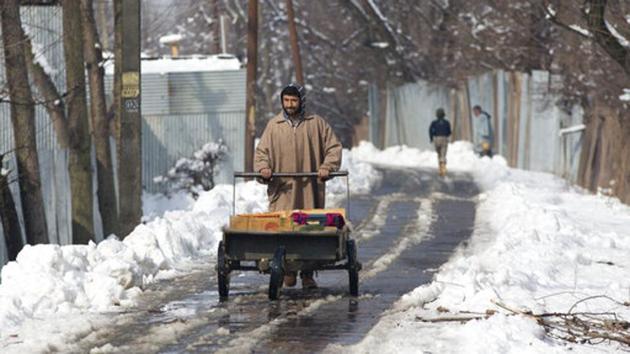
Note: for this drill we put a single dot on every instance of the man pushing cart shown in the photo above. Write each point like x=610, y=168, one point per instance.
x=295, y=141
x=296, y=155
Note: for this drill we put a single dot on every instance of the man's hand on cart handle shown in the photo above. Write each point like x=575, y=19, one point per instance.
x=266, y=173
x=323, y=174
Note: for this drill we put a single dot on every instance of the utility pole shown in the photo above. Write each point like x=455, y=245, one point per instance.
x=250, y=107
x=223, y=39
x=130, y=125
x=216, y=26
x=295, y=47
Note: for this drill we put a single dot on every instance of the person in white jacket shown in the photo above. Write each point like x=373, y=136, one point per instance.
x=483, y=135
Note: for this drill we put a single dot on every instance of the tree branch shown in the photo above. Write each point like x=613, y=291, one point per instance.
x=603, y=37
x=53, y=101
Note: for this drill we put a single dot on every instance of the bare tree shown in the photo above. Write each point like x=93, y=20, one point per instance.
x=391, y=42
x=100, y=123
x=80, y=164
x=23, y=121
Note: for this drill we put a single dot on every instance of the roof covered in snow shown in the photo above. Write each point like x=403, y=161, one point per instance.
x=194, y=63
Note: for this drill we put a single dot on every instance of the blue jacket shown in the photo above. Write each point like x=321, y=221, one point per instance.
x=439, y=127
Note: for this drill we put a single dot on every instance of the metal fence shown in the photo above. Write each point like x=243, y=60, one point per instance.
x=44, y=25
x=532, y=130
x=181, y=112
x=166, y=138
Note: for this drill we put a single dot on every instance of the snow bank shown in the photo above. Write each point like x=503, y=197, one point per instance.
x=156, y=205
x=46, y=279
x=460, y=157
x=49, y=280
x=539, y=244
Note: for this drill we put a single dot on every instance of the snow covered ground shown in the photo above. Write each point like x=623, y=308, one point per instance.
x=539, y=245
x=54, y=293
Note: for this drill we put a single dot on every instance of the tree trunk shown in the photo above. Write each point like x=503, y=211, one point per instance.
x=252, y=60
x=52, y=99
x=23, y=121
x=80, y=163
x=117, y=101
x=9, y=218
x=100, y=124
x=102, y=24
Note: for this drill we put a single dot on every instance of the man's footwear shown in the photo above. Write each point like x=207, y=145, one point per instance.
x=442, y=169
x=290, y=280
x=308, y=282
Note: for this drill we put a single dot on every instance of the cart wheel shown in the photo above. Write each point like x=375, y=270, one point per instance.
x=353, y=267
x=223, y=273
x=277, y=273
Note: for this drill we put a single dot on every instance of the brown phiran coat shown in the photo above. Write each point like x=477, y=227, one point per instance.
x=307, y=147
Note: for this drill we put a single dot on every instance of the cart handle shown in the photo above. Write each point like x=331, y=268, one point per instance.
x=290, y=174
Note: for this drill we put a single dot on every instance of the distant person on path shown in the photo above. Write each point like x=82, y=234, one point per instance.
x=439, y=133
x=483, y=137
x=295, y=141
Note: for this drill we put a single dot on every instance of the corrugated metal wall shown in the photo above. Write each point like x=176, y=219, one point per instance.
x=526, y=118
x=181, y=111
x=166, y=138
x=410, y=110
x=44, y=25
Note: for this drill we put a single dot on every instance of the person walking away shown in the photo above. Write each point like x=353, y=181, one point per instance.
x=483, y=138
x=294, y=141
x=439, y=133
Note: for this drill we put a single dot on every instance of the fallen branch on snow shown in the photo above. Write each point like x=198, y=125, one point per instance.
x=574, y=327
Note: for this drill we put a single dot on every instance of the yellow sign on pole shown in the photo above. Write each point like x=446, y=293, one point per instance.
x=131, y=84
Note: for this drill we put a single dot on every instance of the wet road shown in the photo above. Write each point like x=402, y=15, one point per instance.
x=405, y=231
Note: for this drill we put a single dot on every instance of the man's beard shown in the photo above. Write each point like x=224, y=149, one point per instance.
x=291, y=111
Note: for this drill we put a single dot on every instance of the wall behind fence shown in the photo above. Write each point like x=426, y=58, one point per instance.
x=530, y=129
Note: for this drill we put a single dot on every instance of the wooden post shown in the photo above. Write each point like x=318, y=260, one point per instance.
x=250, y=107
x=295, y=47
x=129, y=142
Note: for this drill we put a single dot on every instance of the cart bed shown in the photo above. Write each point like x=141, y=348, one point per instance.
x=303, y=246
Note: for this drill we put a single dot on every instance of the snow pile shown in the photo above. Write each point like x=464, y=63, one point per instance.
x=362, y=177
x=156, y=205
x=460, y=157
x=47, y=279
x=626, y=95
x=50, y=280
x=539, y=245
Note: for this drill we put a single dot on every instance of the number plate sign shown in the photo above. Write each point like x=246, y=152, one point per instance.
x=131, y=84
